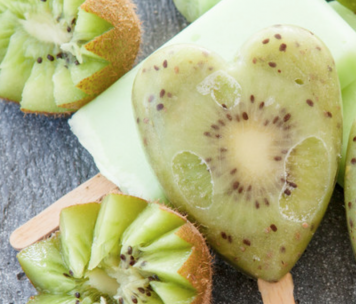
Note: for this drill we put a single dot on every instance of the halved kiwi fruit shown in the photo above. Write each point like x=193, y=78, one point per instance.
x=125, y=250
x=249, y=150
x=57, y=55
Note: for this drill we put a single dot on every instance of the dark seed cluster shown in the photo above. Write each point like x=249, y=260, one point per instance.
x=139, y=294
x=129, y=257
x=226, y=236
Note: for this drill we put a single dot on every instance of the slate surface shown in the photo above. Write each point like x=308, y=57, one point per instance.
x=41, y=160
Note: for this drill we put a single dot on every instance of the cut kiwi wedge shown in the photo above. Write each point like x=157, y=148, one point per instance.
x=125, y=250
x=57, y=55
x=250, y=149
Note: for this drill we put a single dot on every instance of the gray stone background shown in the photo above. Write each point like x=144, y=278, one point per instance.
x=41, y=160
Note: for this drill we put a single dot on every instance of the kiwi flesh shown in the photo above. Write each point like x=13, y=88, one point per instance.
x=57, y=55
x=124, y=250
x=248, y=149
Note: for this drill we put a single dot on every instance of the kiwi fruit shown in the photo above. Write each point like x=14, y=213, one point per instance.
x=349, y=186
x=193, y=9
x=124, y=250
x=248, y=149
x=57, y=55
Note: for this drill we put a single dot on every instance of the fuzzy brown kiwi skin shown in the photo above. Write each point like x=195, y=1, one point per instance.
x=52, y=115
x=198, y=268
x=119, y=46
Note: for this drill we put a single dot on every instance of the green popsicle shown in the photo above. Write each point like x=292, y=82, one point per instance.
x=106, y=126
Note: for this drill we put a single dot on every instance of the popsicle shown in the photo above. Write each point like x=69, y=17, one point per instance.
x=248, y=149
x=106, y=127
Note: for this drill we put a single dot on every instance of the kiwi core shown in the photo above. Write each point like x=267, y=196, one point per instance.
x=45, y=29
x=119, y=282
x=249, y=149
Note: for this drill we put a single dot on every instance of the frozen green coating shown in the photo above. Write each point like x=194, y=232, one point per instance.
x=248, y=149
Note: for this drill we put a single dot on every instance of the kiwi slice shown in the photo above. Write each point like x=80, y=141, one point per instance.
x=125, y=250
x=249, y=150
x=349, y=186
x=57, y=55
x=193, y=9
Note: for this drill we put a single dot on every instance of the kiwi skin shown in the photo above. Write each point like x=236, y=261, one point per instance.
x=196, y=268
x=118, y=46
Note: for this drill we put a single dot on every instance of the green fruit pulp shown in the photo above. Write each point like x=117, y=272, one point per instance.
x=15, y=69
x=35, y=100
x=122, y=160
x=44, y=266
x=111, y=224
x=111, y=252
x=77, y=235
x=171, y=293
x=45, y=37
x=64, y=88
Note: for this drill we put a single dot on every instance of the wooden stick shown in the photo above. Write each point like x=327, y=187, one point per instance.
x=277, y=293
x=47, y=221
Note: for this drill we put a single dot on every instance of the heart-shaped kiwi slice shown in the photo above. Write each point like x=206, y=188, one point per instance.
x=248, y=149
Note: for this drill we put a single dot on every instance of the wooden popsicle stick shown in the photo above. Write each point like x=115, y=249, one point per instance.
x=280, y=292
x=47, y=221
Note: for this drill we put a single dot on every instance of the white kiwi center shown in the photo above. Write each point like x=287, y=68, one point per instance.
x=252, y=149
x=45, y=29
x=121, y=282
